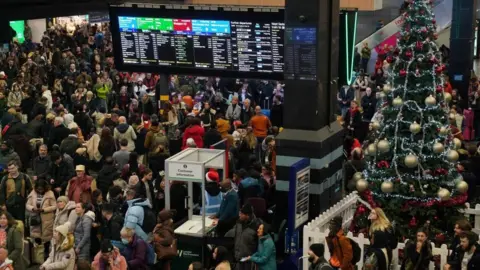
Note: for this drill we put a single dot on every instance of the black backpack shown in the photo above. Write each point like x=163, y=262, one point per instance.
x=356, y=251
x=149, y=218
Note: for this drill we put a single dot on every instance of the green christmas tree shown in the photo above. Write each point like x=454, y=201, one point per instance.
x=411, y=154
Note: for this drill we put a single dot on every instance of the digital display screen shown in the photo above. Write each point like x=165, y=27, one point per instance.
x=198, y=42
x=301, y=53
x=19, y=27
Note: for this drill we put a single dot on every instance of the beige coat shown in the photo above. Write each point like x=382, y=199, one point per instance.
x=129, y=135
x=61, y=257
x=66, y=214
x=48, y=205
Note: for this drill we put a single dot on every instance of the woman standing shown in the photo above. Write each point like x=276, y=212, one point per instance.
x=65, y=212
x=62, y=254
x=220, y=257
x=11, y=238
x=41, y=205
x=170, y=114
x=106, y=146
x=380, y=222
x=265, y=257
x=418, y=253
x=132, y=167
x=376, y=257
x=83, y=227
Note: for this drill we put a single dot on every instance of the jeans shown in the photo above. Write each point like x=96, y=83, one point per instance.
x=364, y=64
x=344, y=110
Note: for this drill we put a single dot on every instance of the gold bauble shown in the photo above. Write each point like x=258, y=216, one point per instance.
x=447, y=96
x=438, y=148
x=382, y=95
x=457, y=143
x=375, y=125
x=462, y=186
x=415, y=128
x=387, y=88
x=383, y=146
x=430, y=101
x=411, y=161
x=357, y=176
x=361, y=185
x=452, y=156
x=451, y=116
x=372, y=149
x=387, y=187
x=443, y=194
x=397, y=102
x=443, y=131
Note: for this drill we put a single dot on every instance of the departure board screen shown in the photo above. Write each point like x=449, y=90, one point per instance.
x=198, y=43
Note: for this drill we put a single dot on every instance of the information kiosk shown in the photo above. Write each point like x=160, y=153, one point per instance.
x=190, y=166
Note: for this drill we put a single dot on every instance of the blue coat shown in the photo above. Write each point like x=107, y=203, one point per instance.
x=265, y=257
x=134, y=217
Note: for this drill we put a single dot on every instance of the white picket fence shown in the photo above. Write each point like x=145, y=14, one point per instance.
x=316, y=231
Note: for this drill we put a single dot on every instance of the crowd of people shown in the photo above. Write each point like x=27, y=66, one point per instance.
x=83, y=151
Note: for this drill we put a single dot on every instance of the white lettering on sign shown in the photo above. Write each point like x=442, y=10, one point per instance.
x=185, y=171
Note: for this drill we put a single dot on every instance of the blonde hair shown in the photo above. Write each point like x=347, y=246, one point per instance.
x=381, y=223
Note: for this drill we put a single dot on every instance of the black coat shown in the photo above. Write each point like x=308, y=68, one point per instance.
x=35, y=128
x=16, y=128
x=276, y=115
x=84, y=122
x=42, y=166
x=62, y=173
x=369, y=104
x=473, y=264
x=111, y=228
x=105, y=178
x=212, y=136
x=106, y=148
x=57, y=135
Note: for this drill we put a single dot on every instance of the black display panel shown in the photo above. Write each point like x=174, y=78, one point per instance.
x=212, y=43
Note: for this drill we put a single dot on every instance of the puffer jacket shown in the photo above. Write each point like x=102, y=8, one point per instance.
x=83, y=228
x=66, y=214
x=48, y=205
x=119, y=262
x=61, y=257
x=135, y=215
x=245, y=237
x=124, y=131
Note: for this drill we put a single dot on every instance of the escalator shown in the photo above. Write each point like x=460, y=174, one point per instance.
x=387, y=35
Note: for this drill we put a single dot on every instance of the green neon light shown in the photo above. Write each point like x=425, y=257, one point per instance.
x=350, y=58
x=353, y=47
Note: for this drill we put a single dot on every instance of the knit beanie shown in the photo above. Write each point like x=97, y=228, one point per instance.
x=317, y=249
x=63, y=199
x=63, y=229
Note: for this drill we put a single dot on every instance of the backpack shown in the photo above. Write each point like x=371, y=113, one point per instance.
x=151, y=256
x=356, y=251
x=149, y=219
x=158, y=139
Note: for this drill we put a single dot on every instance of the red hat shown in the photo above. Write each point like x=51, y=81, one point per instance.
x=212, y=176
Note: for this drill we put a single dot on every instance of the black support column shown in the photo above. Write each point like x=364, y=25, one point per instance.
x=311, y=130
x=462, y=38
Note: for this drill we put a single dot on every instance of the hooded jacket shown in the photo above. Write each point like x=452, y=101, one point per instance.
x=105, y=178
x=119, y=262
x=48, y=94
x=61, y=257
x=265, y=257
x=83, y=228
x=153, y=139
x=48, y=205
x=245, y=238
x=195, y=132
x=66, y=214
x=125, y=131
x=136, y=254
x=15, y=245
x=135, y=216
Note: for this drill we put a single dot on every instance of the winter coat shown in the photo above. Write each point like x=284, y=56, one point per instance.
x=78, y=188
x=61, y=257
x=42, y=167
x=62, y=173
x=233, y=114
x=70, y=144
x=119, y=262
x=106, y=148
x=124, y=131
x=245, y=238
x=415, y=261
x=135, y=254
x=105, y=178
x=135, y=215
x=341, y=250
x=66, y=214
x=15, y=246
x=111, y=228
x=212, y=136
x=265, y=257
x=141, y=137
x=48, y=205
x=83, y=228
x=8, y=156
x=155, y=136
x=57, y=135
x=196, y=133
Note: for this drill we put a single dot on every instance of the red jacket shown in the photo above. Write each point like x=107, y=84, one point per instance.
x=195, y=132
x=79, y=189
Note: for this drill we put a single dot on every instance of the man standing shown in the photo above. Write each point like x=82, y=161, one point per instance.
x=80, y=187
x=316, y=259
x=61, y=172
x=42, y=164
x=340, y=248
x=121, y=157
x=58, y=133
x=234, y=110
x=468, y=253
x=365, y=53
x=245, y=237
x=14, y=190
x=260, y=125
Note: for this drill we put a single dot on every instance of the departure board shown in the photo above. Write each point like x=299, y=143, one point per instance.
x=232, y=45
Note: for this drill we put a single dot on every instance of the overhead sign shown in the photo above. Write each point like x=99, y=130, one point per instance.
x=185, y=171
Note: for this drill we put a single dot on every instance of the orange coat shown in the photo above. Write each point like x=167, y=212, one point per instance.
x=341, y=251
x=260, y=125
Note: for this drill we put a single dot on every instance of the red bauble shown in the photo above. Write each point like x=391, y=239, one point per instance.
x=439, y=88
x=413, y=222
x=419, y=45
x=396, y=52
x=403, y=73
x=438, y=69
x=408, y=54
x=444, y=67
x=433, y=60
x=434, y=21
x=390, y=59
x=440, y=238
x=435, y=36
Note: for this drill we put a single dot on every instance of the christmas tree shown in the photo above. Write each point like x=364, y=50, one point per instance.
x=411, y=154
